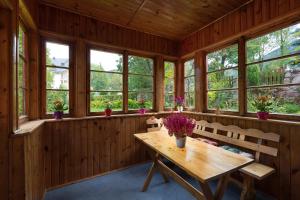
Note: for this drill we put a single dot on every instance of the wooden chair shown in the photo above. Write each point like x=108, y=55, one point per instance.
x=250, y=139
x=154, y=124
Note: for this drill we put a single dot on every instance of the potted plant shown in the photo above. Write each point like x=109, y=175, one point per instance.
x=262, y=104
x=179, y=101
x=108, y=109
x=58, y=108
x=180, y=126
x=142, y=105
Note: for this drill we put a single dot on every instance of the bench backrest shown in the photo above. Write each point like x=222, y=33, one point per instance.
x=155, y=124
x=239, y=137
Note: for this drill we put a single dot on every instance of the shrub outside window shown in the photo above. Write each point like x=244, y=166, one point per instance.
x=169, y=84
x=189, y=83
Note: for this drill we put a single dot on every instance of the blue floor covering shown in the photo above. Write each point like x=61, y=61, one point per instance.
x=126, y=185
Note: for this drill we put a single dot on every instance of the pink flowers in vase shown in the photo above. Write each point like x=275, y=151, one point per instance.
x=179, y=103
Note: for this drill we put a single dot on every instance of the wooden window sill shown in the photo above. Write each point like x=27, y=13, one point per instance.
x=28, y=127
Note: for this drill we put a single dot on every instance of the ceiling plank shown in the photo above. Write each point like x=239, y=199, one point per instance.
x=136, y=11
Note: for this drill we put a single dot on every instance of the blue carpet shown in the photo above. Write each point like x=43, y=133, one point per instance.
x=126, y=185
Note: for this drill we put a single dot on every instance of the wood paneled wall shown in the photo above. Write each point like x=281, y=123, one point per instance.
x=66, y=23
x=258, y=15
x=285, y=183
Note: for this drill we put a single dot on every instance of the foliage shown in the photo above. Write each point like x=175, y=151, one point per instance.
x=108, y=105
x=262, y=103
x=179, y=101
x=179, y=125
x=59, y=106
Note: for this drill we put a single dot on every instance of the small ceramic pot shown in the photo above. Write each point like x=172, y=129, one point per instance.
x=262, y=115
x=58, y=114
x=108, y=112
x=179, y=108
x=180, y=142
x=142, y=111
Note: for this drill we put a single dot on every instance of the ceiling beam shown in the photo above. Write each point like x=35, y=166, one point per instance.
x=6, y=4
x=136, y=11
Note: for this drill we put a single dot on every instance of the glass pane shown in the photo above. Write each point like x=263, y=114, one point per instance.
x=140, y=83
x=140, y=65
x=169, y=100
x=57, y=78
x=169, y=85
x=223, y=59
x=21, y=40
x=21, y=82
x=189, y=99
x=189, y=84
x=189, y=68
x=21, y=102
x=106, y=61
x=57, y=54
x=53, y=96
x=275, y=44
x=282, y=71
x=135, y=97
x=99, y=100
x=285, y=100
x=169, y=69
x=223, y=79
x=225, y=100
x=106, y=81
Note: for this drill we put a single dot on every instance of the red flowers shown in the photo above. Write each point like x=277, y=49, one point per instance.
x=179, y=125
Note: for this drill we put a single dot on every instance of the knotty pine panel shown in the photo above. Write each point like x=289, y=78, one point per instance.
x=66, y=23
x=242, y=20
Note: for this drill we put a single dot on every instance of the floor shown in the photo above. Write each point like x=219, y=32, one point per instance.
x=126, y=185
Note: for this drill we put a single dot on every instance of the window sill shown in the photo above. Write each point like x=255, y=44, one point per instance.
x=28, y=127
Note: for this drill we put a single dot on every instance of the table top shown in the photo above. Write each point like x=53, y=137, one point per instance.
x=200, y=160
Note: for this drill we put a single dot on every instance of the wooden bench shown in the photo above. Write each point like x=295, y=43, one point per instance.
x=154, y=124
x=251, y=140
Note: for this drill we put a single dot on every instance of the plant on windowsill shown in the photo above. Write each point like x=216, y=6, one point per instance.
x=108, y=109
x=142, y=105
x=179, y=101
x=262, y=105
x=59, y=107
x=180, y=126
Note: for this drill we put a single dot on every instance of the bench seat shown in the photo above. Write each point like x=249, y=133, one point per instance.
x=258, y=170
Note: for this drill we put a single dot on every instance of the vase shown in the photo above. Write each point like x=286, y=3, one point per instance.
x=142, y=111
x=262, y=115
x=58, y=114
x=179, y=108
x=108, y=112
x=180, y=142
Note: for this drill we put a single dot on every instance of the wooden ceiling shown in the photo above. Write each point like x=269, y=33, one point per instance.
x=173, y=19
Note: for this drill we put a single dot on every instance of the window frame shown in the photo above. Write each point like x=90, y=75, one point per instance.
x=185, y=77
x=174, y=78
x=237, y=67
x=25, y=58
x=71, y=69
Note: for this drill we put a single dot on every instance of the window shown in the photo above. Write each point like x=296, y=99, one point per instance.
x=222, y=79
x=273, y=69
x=22, y=73
x=189, y=84
x=57, y=75
x=106, y=80
x=169, y=84
x=140, y=81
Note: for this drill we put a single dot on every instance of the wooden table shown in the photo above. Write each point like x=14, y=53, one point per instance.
x=202, y=161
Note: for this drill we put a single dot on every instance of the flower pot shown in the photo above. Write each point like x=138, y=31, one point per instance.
x=179, y=108
x=58, y=114
x=262, y=115
x=108, y=112
x=180, y=142
x=142, y=111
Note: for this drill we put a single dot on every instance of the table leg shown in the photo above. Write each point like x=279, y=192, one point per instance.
x=206, y=191
x=248, y=192
x=222, y=184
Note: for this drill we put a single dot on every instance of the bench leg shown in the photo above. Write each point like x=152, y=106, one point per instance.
x=248, y=192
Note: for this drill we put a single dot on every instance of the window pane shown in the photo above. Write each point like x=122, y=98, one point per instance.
x=21, y=40
x=223, y=59
x=169, y=69
x=272, y=45
x=99, y=99
x=140, y=83
x=134, y=97
x=223, y=79
x=282, y=71
x=21, y=102
x=285, y=100
x=189, y=84
x=225, y=100
x=21, y=81
x=57, y=78
x=189, y=99
x=53, y=96
x=106, y=81
x=169, y=85
x=169, y=100
x=106, y=61
x=57, y=54
x=140, y=65
x=189, y=69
